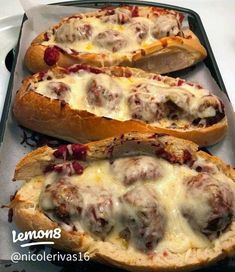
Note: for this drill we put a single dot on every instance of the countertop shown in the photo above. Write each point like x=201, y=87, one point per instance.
x=218, y=19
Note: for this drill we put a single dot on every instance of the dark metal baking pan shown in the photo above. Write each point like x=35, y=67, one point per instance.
x=197, y=27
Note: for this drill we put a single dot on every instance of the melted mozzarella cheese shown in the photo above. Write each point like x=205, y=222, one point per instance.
x=216, y=172
x=179, y=236
x=98, y=26
x=186, y=97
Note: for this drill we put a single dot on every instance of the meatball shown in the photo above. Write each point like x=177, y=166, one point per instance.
x=130, y=170
x=208, y=106
x=103, y=91
x=181, y=98
x=111, y=40
x=69, y=169
x=144, y=217
x=145, y=105
x=165, y=25
x=140, y=29
x=121, y=16
x=59, y=90
x=72, y=31
x=63, y=198
x=98, y=215
x=203, y=166
x=209, y=206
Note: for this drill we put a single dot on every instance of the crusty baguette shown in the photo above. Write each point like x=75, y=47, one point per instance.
x=58, y=119
x=163, y=55
x=28, y=216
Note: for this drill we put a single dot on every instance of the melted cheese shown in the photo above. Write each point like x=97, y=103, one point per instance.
x=179, y=236
x=78, y=82
x=98, y=26
x=216, y=172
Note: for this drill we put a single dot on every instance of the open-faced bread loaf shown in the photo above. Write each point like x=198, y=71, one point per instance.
x=143, y=202
x=150, y=38
x=84, y=103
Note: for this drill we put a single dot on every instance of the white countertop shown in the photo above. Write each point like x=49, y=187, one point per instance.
x=218, y=19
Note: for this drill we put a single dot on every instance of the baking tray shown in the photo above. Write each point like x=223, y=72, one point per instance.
x=197, y=27
x=195, y=24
